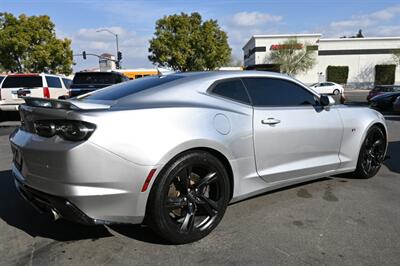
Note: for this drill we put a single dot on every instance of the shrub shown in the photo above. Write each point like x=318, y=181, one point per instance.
x=384, y=74
x=337, y=74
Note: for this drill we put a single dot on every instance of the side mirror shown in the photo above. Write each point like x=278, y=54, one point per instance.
x=326, y=100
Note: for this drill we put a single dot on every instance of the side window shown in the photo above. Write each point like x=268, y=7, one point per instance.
x=277, y=92
x=53, y=82
x=232, y=89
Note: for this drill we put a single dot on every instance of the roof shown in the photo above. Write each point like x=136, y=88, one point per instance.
x=360, y=39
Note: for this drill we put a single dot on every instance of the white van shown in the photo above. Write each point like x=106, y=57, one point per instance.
x=15, y=86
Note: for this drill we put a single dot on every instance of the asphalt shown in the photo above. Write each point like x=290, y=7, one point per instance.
x=330, y=221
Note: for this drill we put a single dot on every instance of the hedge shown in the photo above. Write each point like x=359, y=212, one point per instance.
x=337, y=74
x=384, y=74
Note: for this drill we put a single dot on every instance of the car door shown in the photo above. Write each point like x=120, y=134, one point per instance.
x=293, y=135
x=330, y=87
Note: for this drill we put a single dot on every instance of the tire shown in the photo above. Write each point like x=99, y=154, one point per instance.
x=336, y=92
x=372, y=154
x=184, y=210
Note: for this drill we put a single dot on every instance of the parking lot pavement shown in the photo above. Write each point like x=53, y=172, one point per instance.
x=329, y=221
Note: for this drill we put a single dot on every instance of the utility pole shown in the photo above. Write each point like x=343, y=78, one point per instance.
x=118, y=54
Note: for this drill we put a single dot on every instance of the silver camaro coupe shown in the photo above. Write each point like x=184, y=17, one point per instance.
x=173, y=151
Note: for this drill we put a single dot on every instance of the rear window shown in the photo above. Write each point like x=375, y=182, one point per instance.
x=127, y=88
x=67, y=82
x=96, y=78
x=22, y=82
x=53, y=82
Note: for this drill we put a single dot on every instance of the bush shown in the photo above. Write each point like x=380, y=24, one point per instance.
x=384, y=74
x=337, y=74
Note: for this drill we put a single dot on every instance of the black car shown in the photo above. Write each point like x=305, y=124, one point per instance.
x=85, y=82
x=384, y=101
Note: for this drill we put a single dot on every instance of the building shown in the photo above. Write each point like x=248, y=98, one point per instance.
x=359, y=54
x=107, y=62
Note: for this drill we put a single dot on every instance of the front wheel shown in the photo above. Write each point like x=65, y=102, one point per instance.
x=336, y=92
x=189, y=197
x=372, y=154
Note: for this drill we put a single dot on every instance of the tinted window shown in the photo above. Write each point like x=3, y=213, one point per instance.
x=1, y=78
x=67, y=82
x=96, y=78
x=22, y=82
x=53, y=82
x=232, y=89
x=124, y=89
x=277, y=92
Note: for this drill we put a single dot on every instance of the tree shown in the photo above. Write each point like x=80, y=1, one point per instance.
x=29, y=44
x=293, y=57
x=186, y=43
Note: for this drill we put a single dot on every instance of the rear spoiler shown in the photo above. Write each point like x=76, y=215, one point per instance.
x=63, y=104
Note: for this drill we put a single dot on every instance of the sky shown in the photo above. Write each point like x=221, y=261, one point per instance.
x=134, y=21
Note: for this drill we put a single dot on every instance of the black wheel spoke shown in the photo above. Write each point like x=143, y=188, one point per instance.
x=188, y=223
x=210, y=206
x=183, y=182
x=207, y=180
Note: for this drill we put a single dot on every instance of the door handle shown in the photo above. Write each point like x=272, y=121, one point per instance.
x=270, y=121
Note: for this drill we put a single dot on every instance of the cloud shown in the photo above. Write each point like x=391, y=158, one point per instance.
x=92, y=40
x=372, y=23
x=248, y=19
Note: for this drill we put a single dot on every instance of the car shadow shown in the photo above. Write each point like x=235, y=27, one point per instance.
x=393, y=156
x=18, y=213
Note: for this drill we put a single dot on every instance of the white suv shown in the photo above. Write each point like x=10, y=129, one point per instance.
x=14, y=86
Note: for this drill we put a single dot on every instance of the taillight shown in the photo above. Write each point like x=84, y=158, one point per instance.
x=46, y=92
x=72, y=130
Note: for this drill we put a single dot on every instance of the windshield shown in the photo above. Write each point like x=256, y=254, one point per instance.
x=121, y=90
x=22, y=82
x=96, y=78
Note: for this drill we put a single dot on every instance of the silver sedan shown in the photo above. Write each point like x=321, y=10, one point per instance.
x=172, y=151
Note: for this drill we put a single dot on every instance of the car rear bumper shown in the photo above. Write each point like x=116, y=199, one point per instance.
x=80, y=181
x=44, y=202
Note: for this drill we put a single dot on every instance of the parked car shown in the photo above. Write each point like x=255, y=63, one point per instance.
x=177, y=149
x=85, y=82
x=15, y=86
x=382, y=89
x=396, y=105
x=384, y=101
x=328, y=88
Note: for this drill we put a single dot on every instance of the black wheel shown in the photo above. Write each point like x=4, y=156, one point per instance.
x=336, y=92
x=188, y=198
x=372, y=154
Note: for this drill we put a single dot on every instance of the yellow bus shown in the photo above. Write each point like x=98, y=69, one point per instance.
x=136, y=73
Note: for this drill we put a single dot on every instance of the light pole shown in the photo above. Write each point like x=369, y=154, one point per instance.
x=116, y=40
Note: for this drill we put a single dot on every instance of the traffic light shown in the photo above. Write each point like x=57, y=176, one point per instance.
x=119, y=56
x=84, y=55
